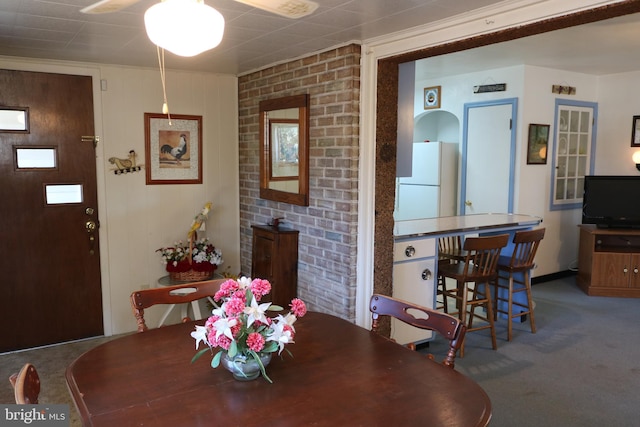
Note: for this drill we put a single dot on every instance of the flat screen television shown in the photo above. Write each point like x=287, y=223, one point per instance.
x=611, y=201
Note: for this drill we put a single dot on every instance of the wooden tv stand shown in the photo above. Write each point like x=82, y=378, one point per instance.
x=609, y=262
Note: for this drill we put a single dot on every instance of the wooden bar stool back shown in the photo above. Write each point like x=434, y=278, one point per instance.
x=516, y=270
x=473, y=277
x=449, y=252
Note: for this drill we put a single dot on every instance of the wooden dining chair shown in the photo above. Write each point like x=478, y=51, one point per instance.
x=516, y=270
x=473, y=277
x=446, y=325
x=178, y=294
x=26, y=385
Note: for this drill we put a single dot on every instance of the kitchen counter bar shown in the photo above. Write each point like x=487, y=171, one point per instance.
x=464, y=224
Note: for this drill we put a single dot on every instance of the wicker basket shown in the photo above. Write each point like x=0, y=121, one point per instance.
x=191, y=275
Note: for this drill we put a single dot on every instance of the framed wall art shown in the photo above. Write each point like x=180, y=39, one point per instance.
x=538, y=143
x=173, y=149
x=635, y=132
x=432, y=96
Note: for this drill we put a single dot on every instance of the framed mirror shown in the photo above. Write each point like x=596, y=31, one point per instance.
x=284, y=141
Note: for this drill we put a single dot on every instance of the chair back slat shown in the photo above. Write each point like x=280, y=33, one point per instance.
x=448, y=326
x=178, y=294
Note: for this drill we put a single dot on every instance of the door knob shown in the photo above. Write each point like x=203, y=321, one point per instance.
x=468, y=203
x=90, y=226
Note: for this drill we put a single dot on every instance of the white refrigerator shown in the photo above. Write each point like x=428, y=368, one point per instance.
x=432, y=189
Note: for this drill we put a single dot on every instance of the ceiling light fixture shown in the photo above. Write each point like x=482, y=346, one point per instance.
x=184, y=27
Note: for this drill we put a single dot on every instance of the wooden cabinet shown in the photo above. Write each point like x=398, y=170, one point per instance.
x=609, y=262
x=275, y=258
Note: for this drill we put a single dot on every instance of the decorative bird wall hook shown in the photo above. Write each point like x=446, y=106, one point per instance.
x=125, y=165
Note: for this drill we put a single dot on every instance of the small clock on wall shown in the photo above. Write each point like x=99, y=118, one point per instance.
x=432, y=97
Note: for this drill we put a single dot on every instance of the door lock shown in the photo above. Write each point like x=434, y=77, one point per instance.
x=90, y=226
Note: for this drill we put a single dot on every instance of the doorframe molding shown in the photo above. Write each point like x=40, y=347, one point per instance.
x=512, y=155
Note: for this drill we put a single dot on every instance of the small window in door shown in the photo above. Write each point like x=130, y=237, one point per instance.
x=14, y=119
x=63, y=194
x=36, y=157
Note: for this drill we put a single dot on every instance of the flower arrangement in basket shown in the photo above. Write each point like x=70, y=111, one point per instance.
x=239, y=328
x=194, y=260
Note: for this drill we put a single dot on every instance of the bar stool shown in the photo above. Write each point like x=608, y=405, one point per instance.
x=473, y=277
x=516, y=269
x=449, y=252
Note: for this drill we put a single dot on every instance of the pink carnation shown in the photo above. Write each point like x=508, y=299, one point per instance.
x=226, y=289
x=240, y=294
x=260, y=288
x=255, y=341
x=234, y=306
x=298, y=307
x=223, y=342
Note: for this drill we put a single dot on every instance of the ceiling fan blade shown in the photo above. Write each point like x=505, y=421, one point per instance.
x=289, y=8
x=108, y=6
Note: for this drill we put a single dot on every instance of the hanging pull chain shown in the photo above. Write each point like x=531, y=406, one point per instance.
x=165, y=105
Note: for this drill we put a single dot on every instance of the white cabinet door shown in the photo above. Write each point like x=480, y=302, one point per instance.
x=413, y=281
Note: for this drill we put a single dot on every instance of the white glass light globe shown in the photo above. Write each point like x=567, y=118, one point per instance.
x=184, y=27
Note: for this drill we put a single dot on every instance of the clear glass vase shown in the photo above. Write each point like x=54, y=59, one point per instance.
x=244, y=368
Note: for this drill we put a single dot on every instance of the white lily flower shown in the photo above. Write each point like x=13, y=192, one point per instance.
x=244, y=282
x=256, y=312
x=279, y=335
x=200, y=334
x=289, y=319
x=223, y=326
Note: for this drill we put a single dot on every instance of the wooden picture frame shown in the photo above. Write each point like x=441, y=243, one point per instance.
x=538, y=143
x=173, y=149
x=635, y=132
x=432, y=97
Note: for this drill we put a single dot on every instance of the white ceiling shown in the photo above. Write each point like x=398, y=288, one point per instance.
x=605, y=47
x=55, y=29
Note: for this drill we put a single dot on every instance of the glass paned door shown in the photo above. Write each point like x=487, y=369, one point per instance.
x=573, y=147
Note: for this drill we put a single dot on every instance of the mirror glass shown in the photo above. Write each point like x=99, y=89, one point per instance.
x=284, y=138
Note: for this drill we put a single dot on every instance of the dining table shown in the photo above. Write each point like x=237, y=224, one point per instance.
x=338, y=374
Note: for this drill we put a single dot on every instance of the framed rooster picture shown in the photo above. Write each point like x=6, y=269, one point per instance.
x=173, y=148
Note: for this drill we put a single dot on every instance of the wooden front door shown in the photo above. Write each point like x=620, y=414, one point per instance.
x=49, y=250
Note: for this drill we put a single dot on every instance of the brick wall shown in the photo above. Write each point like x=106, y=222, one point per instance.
x=328, y=226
